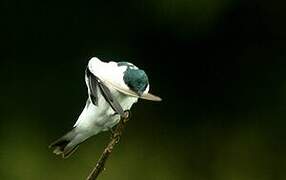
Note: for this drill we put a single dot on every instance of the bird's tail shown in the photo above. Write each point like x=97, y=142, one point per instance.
x=67, y=144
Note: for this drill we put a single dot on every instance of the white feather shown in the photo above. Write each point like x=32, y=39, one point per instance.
x=108, y=72
x=102, y=117
x=112, y=75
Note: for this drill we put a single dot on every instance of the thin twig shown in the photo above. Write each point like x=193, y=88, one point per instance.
x=115, y=137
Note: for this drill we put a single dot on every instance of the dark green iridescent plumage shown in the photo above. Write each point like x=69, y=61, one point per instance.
x=136, y=80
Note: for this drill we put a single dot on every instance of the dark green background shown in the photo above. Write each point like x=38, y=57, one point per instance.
x=218, y=65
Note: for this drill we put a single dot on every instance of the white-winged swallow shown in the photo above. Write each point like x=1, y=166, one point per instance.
x=113, y=88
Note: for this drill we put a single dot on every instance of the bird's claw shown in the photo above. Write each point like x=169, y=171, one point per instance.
x=112, y=130
x=127, y=115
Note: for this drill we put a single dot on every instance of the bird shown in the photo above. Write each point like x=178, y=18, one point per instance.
x=113, y=87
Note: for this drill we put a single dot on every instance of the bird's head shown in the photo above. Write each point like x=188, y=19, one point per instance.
x=136, y=80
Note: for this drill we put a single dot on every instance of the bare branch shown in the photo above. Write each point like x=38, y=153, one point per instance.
x=115, y=137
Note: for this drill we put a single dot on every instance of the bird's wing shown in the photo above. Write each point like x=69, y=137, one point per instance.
x=94, y=83
x=109, y=98
x=151, y=97
x=92, y=87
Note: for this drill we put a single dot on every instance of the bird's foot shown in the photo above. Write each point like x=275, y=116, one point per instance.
x=112, y=130
x=127, y=115
x=124, y=119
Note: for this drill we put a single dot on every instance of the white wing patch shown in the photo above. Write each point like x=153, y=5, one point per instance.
x=108, y=72
x=112, y=75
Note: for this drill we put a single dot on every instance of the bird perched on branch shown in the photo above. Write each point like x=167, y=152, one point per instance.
x=112, y=89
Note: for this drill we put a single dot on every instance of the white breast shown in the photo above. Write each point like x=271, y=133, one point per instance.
x=102, y=117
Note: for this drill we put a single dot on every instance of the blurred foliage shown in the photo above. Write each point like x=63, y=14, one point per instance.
x=218, y=65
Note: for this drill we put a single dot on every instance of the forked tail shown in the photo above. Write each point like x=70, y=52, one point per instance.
x=66, y=145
